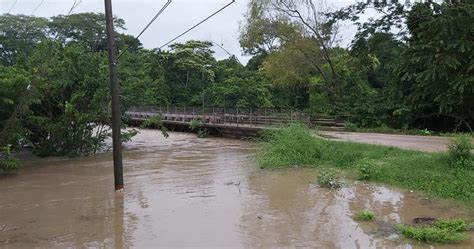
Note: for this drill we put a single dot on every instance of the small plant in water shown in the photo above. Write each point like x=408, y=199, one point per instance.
x=441, y=231
x=203, y=133
x=365, y=215
x=328, y=179
x=194, y=124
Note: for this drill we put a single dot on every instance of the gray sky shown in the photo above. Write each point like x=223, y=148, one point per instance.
x=179, y=16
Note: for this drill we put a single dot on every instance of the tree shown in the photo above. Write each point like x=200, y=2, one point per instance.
x=19, y=34
x=71, y=110
x=437, y=75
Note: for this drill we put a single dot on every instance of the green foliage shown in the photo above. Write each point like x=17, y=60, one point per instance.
x=460, y=152
x=425, y=132
x=368, y=169
x=128, y=135
x=156, y=122
x=329, y=179
x=153, y=122
x=292, y=146
x=194, y=124
x=426, y=172
x=442, y=231
x=365, y=215
x=203, y=133
x=7, y=163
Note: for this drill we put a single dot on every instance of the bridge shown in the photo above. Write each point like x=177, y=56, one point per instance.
x=231, y=122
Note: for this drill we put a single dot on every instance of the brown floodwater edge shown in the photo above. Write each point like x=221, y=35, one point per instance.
x=189, y=192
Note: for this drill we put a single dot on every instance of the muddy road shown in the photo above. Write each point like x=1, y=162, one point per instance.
x=409, y=142
x=190, y=192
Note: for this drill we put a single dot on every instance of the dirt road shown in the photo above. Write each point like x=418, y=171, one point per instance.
x=421, y=143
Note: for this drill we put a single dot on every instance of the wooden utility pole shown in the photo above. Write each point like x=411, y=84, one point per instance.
x=114, y=87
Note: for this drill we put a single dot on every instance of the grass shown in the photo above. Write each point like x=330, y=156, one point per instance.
x=430, y=173
x=365, y=215
x=442, y=231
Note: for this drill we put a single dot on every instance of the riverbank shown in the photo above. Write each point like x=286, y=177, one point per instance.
x=430, y=173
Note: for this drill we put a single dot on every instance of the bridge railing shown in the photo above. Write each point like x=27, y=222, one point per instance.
x=229, y=116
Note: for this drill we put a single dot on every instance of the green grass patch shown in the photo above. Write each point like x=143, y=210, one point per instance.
x=442, y=231
x=431, y=173
x=365, y=215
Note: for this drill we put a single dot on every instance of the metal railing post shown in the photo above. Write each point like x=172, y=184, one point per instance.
x=250, y=116
x=265, y=116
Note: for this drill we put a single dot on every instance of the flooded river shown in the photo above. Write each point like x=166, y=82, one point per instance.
x=189, y=192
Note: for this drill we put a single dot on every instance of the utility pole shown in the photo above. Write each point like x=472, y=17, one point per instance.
x=114, y=87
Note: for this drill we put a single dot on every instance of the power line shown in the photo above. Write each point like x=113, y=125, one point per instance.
x=150, y=22
x=74, y=5
x=225, y=50
x=199, y=23
x=154, y=18
x=13, y=5
x=37, y=7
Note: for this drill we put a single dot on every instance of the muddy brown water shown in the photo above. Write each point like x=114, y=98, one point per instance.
x=207, y=193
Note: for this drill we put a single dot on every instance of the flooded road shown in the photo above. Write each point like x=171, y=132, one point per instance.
x=190, y=192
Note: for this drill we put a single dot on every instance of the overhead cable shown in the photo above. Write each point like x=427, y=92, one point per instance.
x=13, y=6
x=150, y=22
x=74, y=5
x=37, y=7
x=199, y=23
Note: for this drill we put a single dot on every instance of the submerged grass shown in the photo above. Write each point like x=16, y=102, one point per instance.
x=365, y=215
x=431, y=173
x=442, y=231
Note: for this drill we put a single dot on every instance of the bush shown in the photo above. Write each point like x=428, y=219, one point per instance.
x=293, y=145
x=367, y=169
x=460, y=152
x=194, y=124
x=203, y=133
x=155, y=122
x=365, y=215
x=328, y=179
x=350, y=126
x=9, y=164
x=442, y=231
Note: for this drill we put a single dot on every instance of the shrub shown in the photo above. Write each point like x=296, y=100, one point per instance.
x=203, y=133
x=153, y=122
x=328, y=179
x=442, y=231
x=365, y=215
x=194, y=124
x=460, y=152
x=293, y=145
x=350, y=126
x=367, y=169
x=7, y=163
x=425, y=132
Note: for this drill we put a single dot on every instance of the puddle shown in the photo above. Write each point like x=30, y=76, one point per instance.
x=190, y=192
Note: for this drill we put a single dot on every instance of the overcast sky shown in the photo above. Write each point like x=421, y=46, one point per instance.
x=179, y=16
